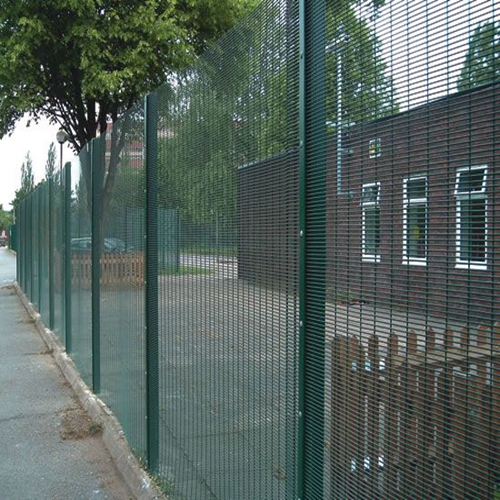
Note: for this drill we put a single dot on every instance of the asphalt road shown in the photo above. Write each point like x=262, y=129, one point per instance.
x=7, y=267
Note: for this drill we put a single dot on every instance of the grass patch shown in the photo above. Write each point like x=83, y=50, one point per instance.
x=163, y=484
x=222, y=251
x=184, y=270
x=76, y=424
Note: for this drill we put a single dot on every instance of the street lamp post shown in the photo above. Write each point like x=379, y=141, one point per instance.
x=61, y=137
x=66, y=271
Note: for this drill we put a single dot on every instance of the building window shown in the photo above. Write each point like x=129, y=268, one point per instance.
x=472, y=220
x=415, y=220
x=370, y=203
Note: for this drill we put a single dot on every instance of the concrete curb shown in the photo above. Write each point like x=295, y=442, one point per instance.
x=113, y=436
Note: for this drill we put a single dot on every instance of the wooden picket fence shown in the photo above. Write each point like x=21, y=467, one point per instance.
x=416, y=423
x=117, y=269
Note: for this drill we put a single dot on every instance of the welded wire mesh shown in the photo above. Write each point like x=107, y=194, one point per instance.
x=412, y=126
x=44, y=267
x=325, y=237
x=123, y=278
x=57, y=214
x=81, y=263
x=228, y=336
x=35, y=248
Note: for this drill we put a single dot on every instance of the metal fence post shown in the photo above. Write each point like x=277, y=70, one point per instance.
x=68, y=268
x=152, y=376
x=19, y=211
x=312, y=221
x=24, y=243
x=51, y=253
x=97, y=180
x=39, y=201
x=29, y=242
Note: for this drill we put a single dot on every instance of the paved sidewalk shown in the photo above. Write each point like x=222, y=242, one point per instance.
x=49, y=449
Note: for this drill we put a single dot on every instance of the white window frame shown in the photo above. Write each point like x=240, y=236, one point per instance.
x=467, y=196
x=407, y=203
x=366, y=257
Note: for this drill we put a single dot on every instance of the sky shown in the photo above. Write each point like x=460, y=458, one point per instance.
x=34, y=139
x=424, y=44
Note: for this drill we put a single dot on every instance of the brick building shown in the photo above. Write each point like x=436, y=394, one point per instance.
x=412, y=210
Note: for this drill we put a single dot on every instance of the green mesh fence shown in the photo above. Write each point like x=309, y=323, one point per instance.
x=411, y=256
x=56, y=202
x=289, y=287
x=81, y=264
x=228, y=344
x=36, y=237
x=44, y=262
x=123, y=280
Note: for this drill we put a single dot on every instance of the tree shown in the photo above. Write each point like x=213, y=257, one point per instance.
x=482, y=61
x=83, y=63
x=27, y=182
x=239, y=103
x=50, y=165
x=5, y=219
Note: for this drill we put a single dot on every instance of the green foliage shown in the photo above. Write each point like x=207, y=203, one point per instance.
x=239, y=104
x=82, y=62
x=50, y=165
x=5, y=219
x=185, y=270
x=354, y=55
x=482, y=61
x=27, y=182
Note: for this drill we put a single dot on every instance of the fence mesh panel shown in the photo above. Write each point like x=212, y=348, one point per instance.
x=227, y=336
x=57, y=206
x=81, y=264
x=318, y=196
x=411, y=268
x=122, y=278
x=35, y=253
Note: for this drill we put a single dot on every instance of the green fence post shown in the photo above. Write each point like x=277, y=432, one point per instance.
x=19, y=210
x=30, y=247
x=40, y=219
x=51, y=253
x=97, y=244
x=22, y=244
x=312, y=222
x=25, y=246
x=34, y=248
x=152, y=376
x=68, y=268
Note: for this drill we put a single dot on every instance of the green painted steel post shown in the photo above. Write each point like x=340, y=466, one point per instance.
x=312, y=229
x=20, y=244
x=68, y=268
x=39, y=200
x=152, y=366
x=20, y=228
x=31, y=246
x=51, y=253
x=34, y=208
x=23, y=247
x=97, y=180
x=292, y=123
x=17, y=212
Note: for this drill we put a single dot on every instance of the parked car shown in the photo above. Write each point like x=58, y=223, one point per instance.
x=111, y=245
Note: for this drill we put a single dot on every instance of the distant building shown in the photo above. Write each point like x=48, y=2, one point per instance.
x=412, y=210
